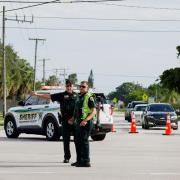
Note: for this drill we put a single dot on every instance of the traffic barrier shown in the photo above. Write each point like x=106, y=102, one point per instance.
x=113, y=128
x=168, y=130
x=133, y=124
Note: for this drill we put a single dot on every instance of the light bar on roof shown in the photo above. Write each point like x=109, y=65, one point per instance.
x=52, y=87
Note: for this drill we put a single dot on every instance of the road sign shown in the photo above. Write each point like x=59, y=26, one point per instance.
x=145, y=97
x=115, y=100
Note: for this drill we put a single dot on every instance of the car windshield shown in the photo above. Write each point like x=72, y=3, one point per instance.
x=140, y=108
x=136, y=103
x=161, y=108
x=100, y=98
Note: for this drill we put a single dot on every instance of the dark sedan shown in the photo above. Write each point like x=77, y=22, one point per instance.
x=155, y=115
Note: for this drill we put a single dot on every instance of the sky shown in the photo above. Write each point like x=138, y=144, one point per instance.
x=109, y=47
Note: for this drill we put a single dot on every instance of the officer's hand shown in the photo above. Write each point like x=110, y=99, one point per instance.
x=71, y=121
x=83, y=123
x=33, y=93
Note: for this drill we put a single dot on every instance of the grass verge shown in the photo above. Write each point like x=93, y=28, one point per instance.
x=1, y=121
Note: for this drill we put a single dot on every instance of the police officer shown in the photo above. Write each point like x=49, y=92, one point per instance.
x=85, y=110
x=67, y=103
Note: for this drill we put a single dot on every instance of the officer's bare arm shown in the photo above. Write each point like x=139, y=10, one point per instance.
x=92, y=114
x=44, y=96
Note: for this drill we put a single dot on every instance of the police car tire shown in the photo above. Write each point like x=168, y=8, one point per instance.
x=9, y=121
x=98, y=137
x=146, y=125
x=142, y=126
x=51, y=127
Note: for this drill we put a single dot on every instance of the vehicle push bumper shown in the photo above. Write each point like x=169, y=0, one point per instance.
x=102, y=128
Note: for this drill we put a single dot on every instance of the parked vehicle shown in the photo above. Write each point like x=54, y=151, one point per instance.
x=155, y=115
x=138, y=112
x=36, y=115
x=130, y=108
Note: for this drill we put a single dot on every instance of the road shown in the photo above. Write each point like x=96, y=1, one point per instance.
x=147, y=155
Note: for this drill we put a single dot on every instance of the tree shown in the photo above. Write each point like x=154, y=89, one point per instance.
x=53, y=81
x=128, y=91
x=170, y=79
x=178, y=49
x=136, y=95
x=19, y=74
x=73, y=78
x=91, y=79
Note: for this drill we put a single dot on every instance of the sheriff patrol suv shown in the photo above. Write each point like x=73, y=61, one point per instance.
x=36, y=115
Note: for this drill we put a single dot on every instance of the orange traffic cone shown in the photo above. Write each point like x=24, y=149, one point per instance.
x=168, y=130
x=113, y=129
x=133, y=124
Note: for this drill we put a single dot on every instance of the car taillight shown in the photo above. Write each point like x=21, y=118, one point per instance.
x=111, y=110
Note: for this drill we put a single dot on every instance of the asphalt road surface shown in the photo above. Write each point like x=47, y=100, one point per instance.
x=147, y=155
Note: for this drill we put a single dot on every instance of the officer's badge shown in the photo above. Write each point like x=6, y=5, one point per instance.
x=66, y=96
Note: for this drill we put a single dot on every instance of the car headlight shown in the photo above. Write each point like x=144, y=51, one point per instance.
x=174, y=117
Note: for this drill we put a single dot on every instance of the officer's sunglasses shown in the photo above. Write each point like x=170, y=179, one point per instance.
x=81, y=86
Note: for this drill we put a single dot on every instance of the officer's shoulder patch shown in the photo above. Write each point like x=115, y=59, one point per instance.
x=91, y=98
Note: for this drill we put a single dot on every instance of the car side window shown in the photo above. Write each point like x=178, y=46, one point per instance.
x=147, y=108
x=32, y=100
x=42, y=101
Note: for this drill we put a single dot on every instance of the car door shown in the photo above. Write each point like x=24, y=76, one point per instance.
x=104, y=112
x=30, y=113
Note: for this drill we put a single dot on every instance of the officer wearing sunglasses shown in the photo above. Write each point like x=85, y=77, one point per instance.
x=85, y=110
x=67, y=102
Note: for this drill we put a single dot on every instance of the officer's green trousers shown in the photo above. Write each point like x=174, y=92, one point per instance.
x=67, y=130
x=82, y=143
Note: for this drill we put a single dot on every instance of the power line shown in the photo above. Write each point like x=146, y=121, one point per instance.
x=140, y=7
x=35, y=2
x=116, y=75
x=35, y=5
x=88, y=1
x=103, y=19
x=99, y=30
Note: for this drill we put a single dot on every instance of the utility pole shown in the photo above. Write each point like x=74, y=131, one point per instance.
x=62, y=73
x=4, y=63
x=4, y=54
x=44, y=65
x=35, y=59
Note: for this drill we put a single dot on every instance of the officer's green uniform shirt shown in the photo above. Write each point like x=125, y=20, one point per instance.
x=67, y=103
x=79, y=106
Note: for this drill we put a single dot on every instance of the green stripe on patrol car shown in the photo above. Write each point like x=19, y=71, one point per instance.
x=35, y=110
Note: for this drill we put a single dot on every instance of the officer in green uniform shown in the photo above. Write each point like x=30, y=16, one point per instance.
x=85, y=110
x=67, y=101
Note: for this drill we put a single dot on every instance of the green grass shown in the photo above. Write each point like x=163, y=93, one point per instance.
x=1, y=120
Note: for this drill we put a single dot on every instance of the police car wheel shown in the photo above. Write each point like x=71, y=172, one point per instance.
x=51, y=130
x=10, y=128
x=98, y=137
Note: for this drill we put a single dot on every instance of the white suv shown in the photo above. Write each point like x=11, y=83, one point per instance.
x=36, y=115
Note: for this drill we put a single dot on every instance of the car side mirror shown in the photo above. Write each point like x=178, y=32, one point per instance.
x=21, y=103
